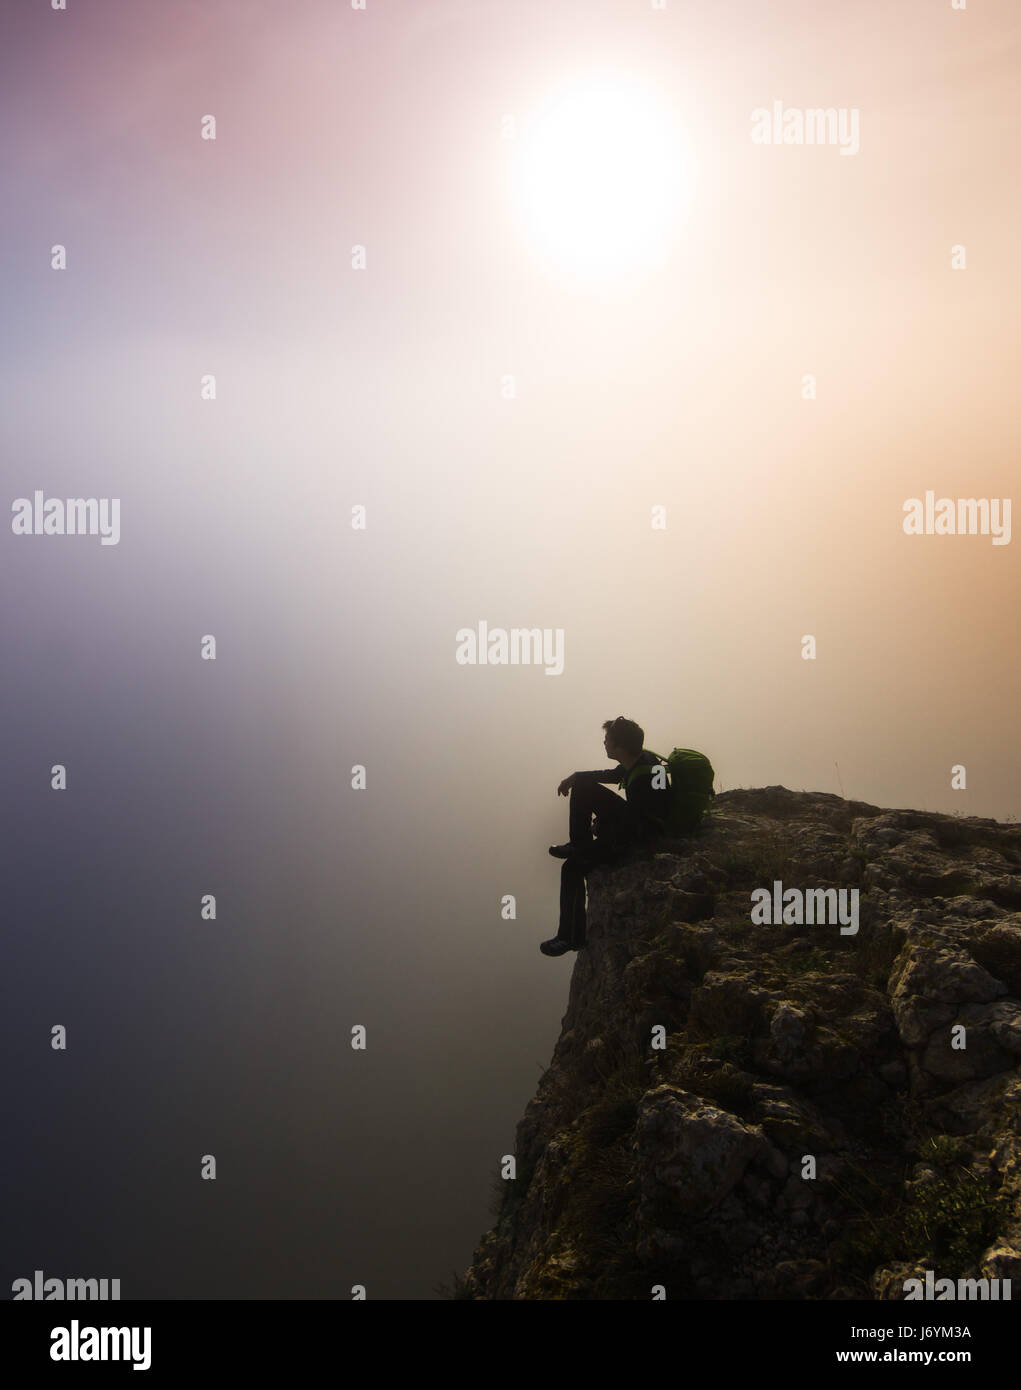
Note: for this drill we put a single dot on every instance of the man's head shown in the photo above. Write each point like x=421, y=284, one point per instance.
x=623, y=738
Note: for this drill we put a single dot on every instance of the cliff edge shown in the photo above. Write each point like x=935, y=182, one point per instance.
x=742, y=1109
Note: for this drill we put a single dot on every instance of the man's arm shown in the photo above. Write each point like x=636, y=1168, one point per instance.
x=611, y=774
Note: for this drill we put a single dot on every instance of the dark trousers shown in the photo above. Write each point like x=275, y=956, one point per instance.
x=618, y=828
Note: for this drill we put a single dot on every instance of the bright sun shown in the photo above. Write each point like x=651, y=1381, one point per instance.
x=600, y=176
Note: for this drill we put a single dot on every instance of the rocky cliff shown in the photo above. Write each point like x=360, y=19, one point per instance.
x=741, y=1109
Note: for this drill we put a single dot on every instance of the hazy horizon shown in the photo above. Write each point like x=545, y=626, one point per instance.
x=509, y=397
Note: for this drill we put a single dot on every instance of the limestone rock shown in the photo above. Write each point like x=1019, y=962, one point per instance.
x=763, y=1151
x=690, y=1154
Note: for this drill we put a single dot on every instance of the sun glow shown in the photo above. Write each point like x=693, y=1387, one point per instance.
x=600, y=176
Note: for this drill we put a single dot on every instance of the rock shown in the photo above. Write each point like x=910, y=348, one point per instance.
x=981, y=1054
x=1001, y=1262
x=799, y=1278
x=774, y=1162
x=894, y=1073
x=999, y=950
x=930, y=983
x=758, y=1191
x=797, y=1193
x=639, y=1165
x=1005, y=1026
x=728, y=1004
x=690, y=1154
x=979, y=1108
x=787, y=1028
x=888, y=1283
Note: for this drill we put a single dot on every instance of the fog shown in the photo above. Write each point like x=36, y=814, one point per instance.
x=627, y=458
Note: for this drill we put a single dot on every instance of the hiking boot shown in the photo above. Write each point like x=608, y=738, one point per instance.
x=556, y=946
x=571, y=851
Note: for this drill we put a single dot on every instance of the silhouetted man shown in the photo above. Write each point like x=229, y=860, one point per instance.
x=620, y=823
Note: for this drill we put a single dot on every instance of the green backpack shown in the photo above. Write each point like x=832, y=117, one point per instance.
x=691, y=788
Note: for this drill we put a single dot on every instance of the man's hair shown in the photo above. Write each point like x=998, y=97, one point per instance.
x=626, y=734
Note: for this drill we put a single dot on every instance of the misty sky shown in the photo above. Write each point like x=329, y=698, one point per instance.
x=638, y=380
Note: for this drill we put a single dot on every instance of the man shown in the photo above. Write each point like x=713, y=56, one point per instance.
x=622, y=822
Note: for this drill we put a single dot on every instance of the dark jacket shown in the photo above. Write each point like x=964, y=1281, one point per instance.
x=651, y=803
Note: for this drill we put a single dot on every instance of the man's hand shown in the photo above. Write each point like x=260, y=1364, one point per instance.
x=567, y=784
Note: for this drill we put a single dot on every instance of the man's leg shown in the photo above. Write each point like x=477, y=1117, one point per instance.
x=589, y=798
x=604, y=849
x=618, y=829
x=572, y=903
x=571, y=932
